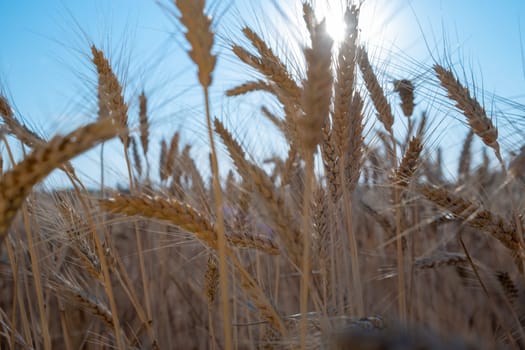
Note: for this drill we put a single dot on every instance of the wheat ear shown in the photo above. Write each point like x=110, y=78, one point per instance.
x=144, y=123
x=250, y=86
x=201, y=38
x=474, y=216
x=186, y=217
x=110, y=99
x=16, y=183
x=408, y=166
x=191, y=220
x=465, y=156
x=384, y=112
x=405, y=89
x=345, y=83
x=24, y=134
x=278, y=214
x=16, y=128
x=443, y=259
x=476, y=116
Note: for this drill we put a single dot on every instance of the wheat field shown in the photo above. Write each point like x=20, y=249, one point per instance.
x=354, y=238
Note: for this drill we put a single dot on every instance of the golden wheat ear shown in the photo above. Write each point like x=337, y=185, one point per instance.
x=476, y=115
x=17, y=183
x=110, y=99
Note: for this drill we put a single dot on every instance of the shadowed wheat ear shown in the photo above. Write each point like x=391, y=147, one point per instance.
x=16, y=183
x=405, y=89
x=465, y=156
x=474, y=216
x=110, y=100
x=144, y=123
x=317, y=90
x=443, y=259
x=186, y=217
x=408, y=166
x=476, y=116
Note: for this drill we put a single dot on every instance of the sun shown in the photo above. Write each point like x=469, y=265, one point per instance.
x=333, y=13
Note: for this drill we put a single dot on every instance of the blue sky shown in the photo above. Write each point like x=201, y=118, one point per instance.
x=45, y=68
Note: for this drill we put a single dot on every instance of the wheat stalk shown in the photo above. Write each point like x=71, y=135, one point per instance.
x=189, y=219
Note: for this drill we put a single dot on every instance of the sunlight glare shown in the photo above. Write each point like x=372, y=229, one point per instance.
x=333, y=12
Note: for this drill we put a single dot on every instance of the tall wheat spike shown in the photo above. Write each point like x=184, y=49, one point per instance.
x=110, y=99
x=345, y=82
x=201, y=38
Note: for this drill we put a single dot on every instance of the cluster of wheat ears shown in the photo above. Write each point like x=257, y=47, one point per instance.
x=350, y=241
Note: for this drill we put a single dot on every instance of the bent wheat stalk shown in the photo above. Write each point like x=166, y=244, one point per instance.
x=189, y=219
x=17, y=183
x=475, y=216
